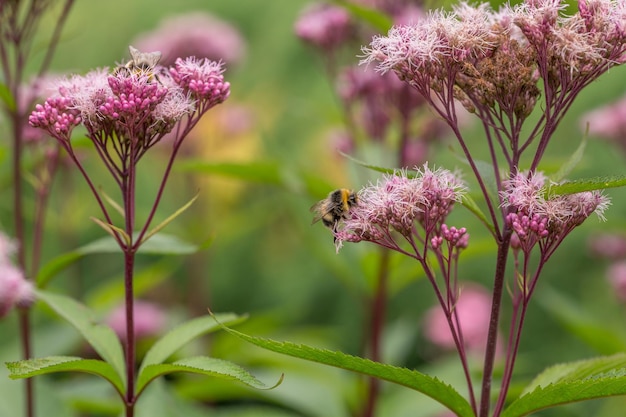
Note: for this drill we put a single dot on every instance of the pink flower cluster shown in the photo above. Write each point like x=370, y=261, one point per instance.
x=537, y=218
x=398, y=203
x=15, y=289
x=493, y=59
x=131, y=108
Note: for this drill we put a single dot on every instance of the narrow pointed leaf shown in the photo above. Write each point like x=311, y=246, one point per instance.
x=112, y=202
x=469, y=203
x=160, y=244
x=589, y=184
x=571, y=382
x=51, y=364
x=432, y=387
x=112, y=230
x=205, y=366
x=378, y=20
x=574, y=160
x=99, y=336
x=369, y=166
x=167, y=221
x=7, y=98
x=183, y=334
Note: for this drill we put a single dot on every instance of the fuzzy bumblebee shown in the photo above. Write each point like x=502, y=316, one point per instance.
x=334, y=207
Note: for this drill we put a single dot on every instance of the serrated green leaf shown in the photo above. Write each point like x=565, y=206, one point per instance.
x=201, y=365
x=100, y=337
x=7, y=98
x=589, y=184
x=183, y=334
x=373, y=17
x=576, y=381
x=432, y=387
x=40, y=366
x=159, y=244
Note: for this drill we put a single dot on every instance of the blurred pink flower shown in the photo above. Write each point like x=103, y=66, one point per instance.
x=324, y=26
x=198, y=34
x=608, y=246
x=15, y=289
x=474, y=310
x=616, y=275
x=149, y=320
x=608, y=122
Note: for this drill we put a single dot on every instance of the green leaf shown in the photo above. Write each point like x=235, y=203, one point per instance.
x=571, y=382
x=432, y=387
x=112, y=230
x=201, y=365
x=40, y=366
x=604, y=339
x=271, y=173
x=469, y=203
x=373, y=17
x=167, y=221
x=571, y=163
x=7, y=98
x=183, y=334
x=263, y=172
x=389, y=171
x=159, y=244
x=101, y=338
x=589, y=184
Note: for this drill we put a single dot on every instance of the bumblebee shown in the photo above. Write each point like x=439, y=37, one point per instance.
x=334, y=207
x=141, y=63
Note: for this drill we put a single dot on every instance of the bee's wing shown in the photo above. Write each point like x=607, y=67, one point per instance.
x=149, y=58
x=320, y=210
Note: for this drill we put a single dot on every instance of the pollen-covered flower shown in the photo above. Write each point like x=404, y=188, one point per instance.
x=399, y=203
x=538, y=218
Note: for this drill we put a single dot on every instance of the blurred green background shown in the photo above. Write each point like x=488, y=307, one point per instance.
x=264, y=257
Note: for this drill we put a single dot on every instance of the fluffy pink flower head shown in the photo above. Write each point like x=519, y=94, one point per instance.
x=202, y=79
x=397, y=203
x=538, y=218
x=473, y=308
x=492, y=61
x=198, y=34
x=149, y=320
x=133, y=107
x=324, y=26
